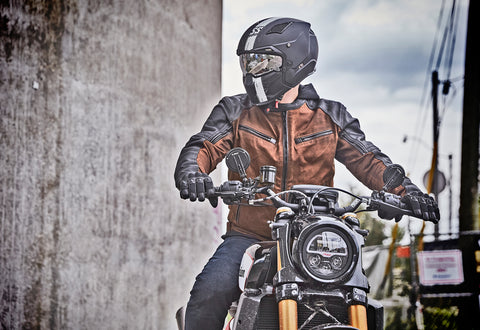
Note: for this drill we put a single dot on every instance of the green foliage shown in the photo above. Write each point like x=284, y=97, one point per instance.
x=440, y=318
x=394, y=320
x=375, y=227
x=379, y=230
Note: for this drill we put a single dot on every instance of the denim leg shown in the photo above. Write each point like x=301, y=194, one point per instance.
x=216, y=287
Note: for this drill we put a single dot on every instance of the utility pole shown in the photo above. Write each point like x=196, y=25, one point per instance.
x=450, y=194
x=432, y=180
x=468, y=212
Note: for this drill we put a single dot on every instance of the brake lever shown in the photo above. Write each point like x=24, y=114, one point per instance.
x=233, y=191
x=389, y=204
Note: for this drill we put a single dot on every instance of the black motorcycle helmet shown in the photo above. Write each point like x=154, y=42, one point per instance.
x=276, y=54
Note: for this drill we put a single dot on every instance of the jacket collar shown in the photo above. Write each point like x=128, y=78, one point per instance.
x=306, y=94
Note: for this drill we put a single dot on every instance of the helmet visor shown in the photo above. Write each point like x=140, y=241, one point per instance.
x=259, y=64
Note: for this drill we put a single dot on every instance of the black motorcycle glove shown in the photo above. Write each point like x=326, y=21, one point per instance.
x=422, y=205
x=198, y=186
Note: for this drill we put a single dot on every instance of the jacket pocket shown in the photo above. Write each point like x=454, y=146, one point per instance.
x=257, y=134
x=309, y=137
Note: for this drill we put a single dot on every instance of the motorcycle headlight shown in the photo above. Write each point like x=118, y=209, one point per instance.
x=327, y=251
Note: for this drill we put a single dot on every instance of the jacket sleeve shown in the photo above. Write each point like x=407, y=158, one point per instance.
x=206, y=149
x=361, y=157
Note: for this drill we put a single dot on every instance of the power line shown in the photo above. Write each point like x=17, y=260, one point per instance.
x=432, y=54
x=422, y=115
x=453, y=37
x=447, y=47
x=445, y=37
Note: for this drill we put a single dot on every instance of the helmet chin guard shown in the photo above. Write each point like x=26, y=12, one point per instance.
x=265, y=77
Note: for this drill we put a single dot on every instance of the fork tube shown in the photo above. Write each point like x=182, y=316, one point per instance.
x=287, y=308
x=358, y=316
x=287, y=313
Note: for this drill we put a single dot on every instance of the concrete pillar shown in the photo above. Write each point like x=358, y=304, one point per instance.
x=96, y=100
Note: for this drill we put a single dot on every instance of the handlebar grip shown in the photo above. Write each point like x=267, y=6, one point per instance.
x=390, y=205
x=228, y=187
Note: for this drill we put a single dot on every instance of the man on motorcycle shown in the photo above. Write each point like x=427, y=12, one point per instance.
x=283, y=124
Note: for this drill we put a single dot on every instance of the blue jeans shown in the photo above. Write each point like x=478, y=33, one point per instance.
x=216, y=287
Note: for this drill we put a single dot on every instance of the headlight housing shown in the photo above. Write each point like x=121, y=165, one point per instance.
x=327, y=251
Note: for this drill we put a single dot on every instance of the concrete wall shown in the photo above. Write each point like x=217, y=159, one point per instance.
x=96, y=100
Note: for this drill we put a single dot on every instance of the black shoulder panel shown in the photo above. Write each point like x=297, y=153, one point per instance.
x=217, y=125
x=350, y=129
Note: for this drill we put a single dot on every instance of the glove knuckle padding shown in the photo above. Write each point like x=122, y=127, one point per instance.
x=192, y=189
x=183, y=189
x=423, y=206
x=412, y=201
x=198, y=186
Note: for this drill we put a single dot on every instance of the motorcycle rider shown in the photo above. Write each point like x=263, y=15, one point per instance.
x=280, y=123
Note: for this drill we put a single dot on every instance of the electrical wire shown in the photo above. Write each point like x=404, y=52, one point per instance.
x=444, y=38
x=453, y=27
x=421, y=124
x=432, y=55
x=422, y=115
x=447, y=47
x=453, y=37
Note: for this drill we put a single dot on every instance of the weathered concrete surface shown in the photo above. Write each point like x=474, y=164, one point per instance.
x=96, y=100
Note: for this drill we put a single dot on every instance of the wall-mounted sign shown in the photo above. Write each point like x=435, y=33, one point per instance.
x=440, y=267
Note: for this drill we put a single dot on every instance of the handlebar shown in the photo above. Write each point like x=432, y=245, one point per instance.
x=236, y=192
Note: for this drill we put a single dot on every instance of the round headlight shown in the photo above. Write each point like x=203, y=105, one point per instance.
x=327, y=251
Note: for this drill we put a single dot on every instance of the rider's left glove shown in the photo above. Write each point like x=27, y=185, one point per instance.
x=198, y=186
x=422, y=205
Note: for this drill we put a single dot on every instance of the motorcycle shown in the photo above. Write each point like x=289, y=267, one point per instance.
x=310, y=276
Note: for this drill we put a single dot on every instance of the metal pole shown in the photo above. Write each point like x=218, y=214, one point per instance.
x=468, y=213
x=450, y=194
x=433, y=176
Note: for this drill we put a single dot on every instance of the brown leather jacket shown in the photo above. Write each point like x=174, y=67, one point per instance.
x=301, y=140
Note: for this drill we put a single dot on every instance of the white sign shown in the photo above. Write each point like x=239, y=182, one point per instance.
x=440, y=267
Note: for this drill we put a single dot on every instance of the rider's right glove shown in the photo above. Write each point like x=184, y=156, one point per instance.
x=198, y=186
x=422, y=205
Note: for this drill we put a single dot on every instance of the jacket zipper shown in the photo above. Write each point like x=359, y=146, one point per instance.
x=309, y=137
x=285, y=150
x=257, y=133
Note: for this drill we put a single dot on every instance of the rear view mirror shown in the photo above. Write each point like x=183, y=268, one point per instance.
x=238, y=160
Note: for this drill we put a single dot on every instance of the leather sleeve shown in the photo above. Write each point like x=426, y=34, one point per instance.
x=362, y=158
x=205, y=149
